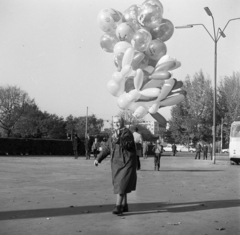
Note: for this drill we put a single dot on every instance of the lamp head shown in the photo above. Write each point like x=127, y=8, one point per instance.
x=208, y=11
x=184, y=27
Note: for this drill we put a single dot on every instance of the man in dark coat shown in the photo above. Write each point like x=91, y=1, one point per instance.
x=198, y=151
x=121, y=147
x=174, y=149
x=76, y=143
x=205, y=151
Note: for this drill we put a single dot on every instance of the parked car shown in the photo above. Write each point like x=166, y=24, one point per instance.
x=167, y=148
x=182, y=148
x=192, y=150
x=225, y=150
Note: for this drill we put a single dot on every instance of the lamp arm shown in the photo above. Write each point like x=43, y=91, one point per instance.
x=214, y=30
x=227, y=25
x=205, y=29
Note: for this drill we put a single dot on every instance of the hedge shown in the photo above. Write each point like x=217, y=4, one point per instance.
x=22, y=146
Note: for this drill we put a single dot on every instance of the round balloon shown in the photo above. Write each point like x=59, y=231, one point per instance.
x=105, y=20
x=155, y=2
x=121, y=47
x=141, y=40
x=163, y=32
x=150, y=15
x=125, y=32
x=156, y=49
x=108, y=42
x=130, y=16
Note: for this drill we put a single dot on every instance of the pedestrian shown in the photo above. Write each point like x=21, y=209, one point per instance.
x=138, y=141
x=157, y=149
x=205, y=151
x=198, y=150
x=174, y=149
x=145, y=149
x=76, y=143
x=121, y=147
x=210, y=150
x=95, y=147
x=88, y=146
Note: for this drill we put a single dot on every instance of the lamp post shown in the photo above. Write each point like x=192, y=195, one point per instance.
x=215, y=38
x=86, y=128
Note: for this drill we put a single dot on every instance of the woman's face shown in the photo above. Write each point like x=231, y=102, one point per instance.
x=116, y=123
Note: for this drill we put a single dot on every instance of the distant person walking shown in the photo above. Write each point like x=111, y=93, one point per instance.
x=145, y=149
x=198, y=150
x=76, y=144
x=174, y=149
x=205, y=151
x=96, y=147
x=88, y=146
x=138, y=141
x=157, y=149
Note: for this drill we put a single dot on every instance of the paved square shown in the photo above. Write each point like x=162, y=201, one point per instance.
x=61, y=195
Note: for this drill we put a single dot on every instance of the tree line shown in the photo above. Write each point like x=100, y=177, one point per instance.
x=21, y=117
x=192, y=119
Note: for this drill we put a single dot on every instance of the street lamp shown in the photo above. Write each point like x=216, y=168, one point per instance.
x=215, y=38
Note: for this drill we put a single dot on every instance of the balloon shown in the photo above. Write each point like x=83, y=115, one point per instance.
x=150, y=92
x=153, y=83
x=160, y=75
x=176, y=92
x=118, y=60
x=166, y=89
x=121, y=47
x=126, y=70
x=117, y=77
x=134, y=95
x=177, y=85
x=155, y=2
x=166, y=66
x=124, y=101
x=150, y=15
x=138, y=79
x=108, y=19
x=144, y=63
x=115, y=89
x=172, y=100
x=141, y=40
x=128, y=57
x=178, y=64
x=160, y=119
x=108, y=42
x=129, y=85
x=140, y=112
x=156, y=49
x=125, y=32
x=164, y=31
x=137, y=58
x=130, y=16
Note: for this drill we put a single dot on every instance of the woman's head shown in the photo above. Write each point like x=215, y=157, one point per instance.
x=118, y=122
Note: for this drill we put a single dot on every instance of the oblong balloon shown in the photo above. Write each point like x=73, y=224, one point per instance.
x=160, y=119
x=121, y=47
x=117, y=77
x=153, y=84
x=178, y=64
x=166, y=66
x=140, y=112
x=115, y=89
x=177, y=85
x=138, y=79
x=137, y=58
x=178, y=92
x=128, y=57
x=126, y=70
x=172, y=100
x=134, y=95
x=160, y=75
x=124, y=101
x=151, y=92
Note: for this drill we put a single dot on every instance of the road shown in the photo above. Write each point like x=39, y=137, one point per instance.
x=61, y=196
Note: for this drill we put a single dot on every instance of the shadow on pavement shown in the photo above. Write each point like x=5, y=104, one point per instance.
x=138, y=208
x=184, y=170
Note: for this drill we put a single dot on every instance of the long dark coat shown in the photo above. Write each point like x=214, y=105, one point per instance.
x=123, y=161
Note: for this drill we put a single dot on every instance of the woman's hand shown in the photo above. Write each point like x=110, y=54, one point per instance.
x=96, y=162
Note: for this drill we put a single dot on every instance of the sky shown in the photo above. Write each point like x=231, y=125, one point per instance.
x=51, y=49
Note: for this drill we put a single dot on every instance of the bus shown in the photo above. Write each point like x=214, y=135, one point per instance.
x=234, y=144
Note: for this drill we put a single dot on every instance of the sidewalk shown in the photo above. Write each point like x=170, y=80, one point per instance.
x=61, y=195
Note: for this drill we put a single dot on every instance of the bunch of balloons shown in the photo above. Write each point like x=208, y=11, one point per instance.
x=143, y=81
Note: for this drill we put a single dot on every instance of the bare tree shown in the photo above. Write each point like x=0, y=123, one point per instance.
x=13, y=101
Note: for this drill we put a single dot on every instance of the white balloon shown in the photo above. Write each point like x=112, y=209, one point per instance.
x=128, y=57
x=126, y=70
x=151, y=92
x=134, y=95
x=140, y=112
x=138, y=79
x=114, y=88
